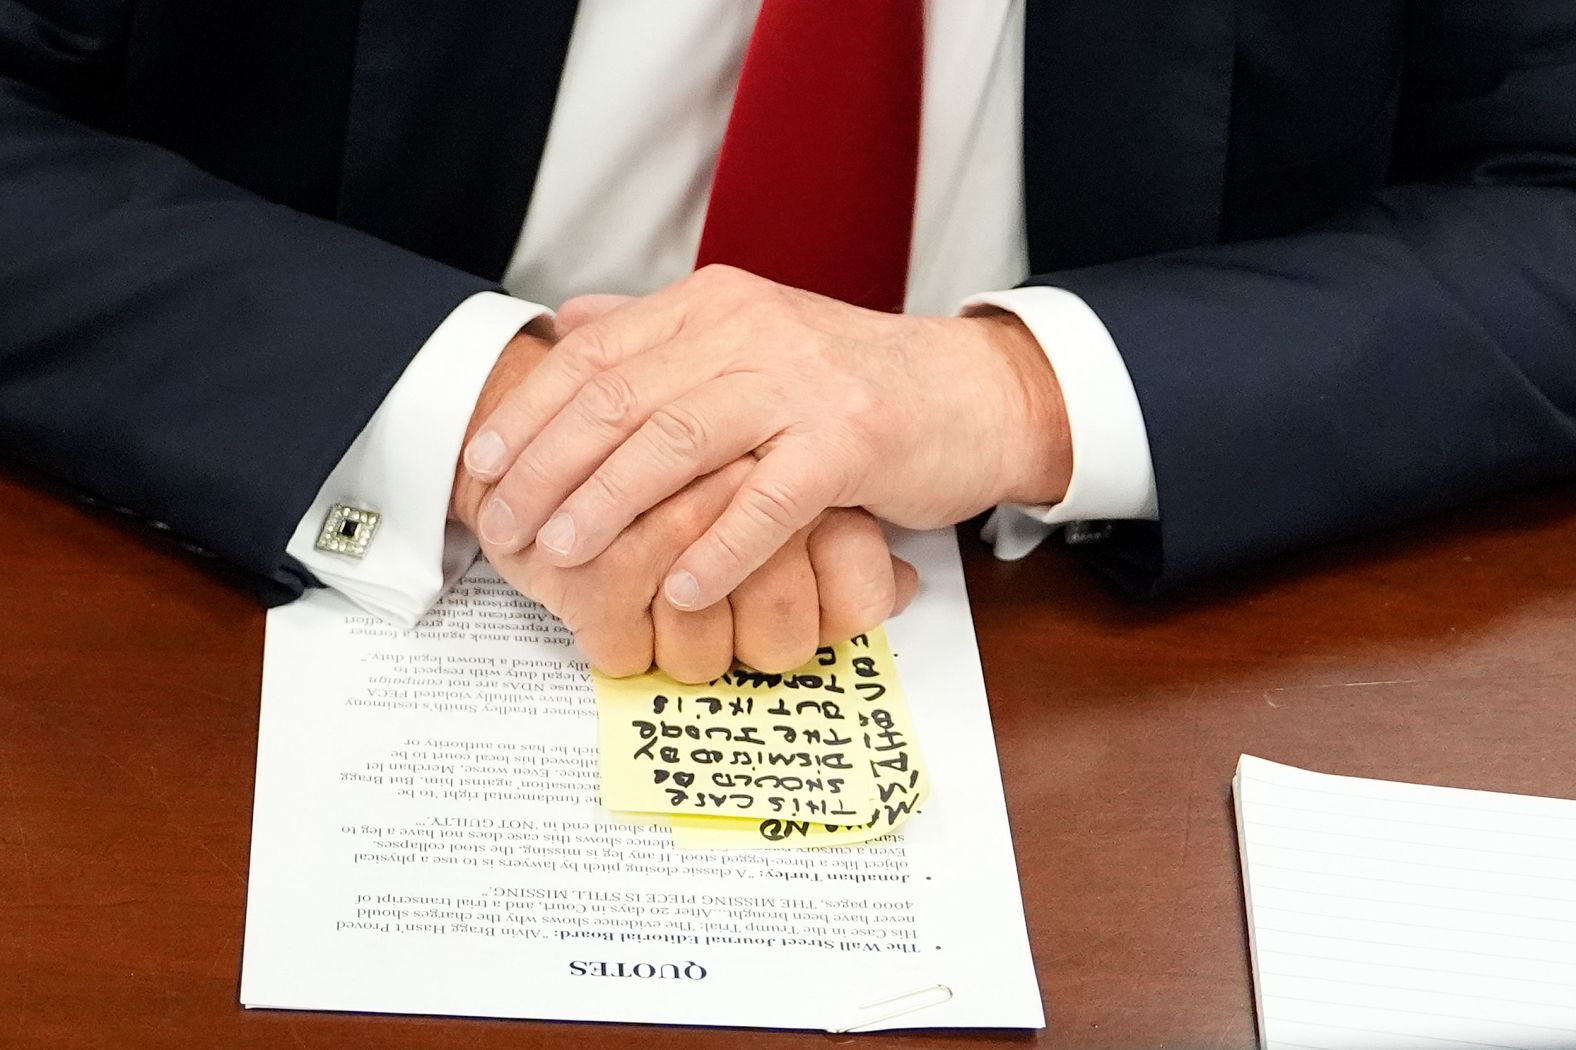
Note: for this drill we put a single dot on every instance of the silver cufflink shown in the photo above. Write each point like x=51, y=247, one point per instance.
x=348, y=530
x=1082, y=533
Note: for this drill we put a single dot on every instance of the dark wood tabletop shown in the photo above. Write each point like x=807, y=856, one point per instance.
x=129, y=678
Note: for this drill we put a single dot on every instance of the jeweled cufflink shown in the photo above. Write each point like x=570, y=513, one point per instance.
x=348, y=530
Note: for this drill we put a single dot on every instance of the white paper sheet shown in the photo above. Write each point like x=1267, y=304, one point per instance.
x=426, y=839
x=1404, y=917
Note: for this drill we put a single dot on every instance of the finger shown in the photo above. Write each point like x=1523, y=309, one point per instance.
x=612, y=338
x=694, y=435
x=789, y=487
x=610, y=408
x=907, y=578
x=617, y=638
x=580, y=355
x=657, y=538
x=854, y=574
x=583, y=309
x=693, y=646
x=776, y=617
x=607, y=602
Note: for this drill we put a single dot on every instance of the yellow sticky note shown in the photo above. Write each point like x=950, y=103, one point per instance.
x=772, y=833
x=748, y=744
x=821, y=756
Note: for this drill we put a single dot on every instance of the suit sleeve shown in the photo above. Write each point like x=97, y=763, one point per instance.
x=1413, y=352
x=170, y=343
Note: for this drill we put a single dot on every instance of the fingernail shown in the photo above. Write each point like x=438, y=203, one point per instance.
x=485, y=455
x=558, y=535
x=498, y=526
x=683, y=589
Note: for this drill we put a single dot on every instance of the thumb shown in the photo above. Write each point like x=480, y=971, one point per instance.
x=583, y=309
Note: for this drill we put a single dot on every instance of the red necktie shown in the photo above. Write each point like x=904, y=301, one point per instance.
x=815, y=182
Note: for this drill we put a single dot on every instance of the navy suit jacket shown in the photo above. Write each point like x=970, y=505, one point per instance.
x=1335, y=242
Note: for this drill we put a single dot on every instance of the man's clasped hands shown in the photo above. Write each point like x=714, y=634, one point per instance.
x=698, y=473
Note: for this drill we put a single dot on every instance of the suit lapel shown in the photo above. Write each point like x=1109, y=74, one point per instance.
x=1127, y=108
x=449, y=112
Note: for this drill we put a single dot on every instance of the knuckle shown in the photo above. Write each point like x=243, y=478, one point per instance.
x=690, y=660
x=776, y=621
x=680, y=519
x=861, y=607
x=700, y=674
x=861, y=403
x=697, y=673
x=758, y=312
x=590, y=349
x=578, y=307
x=606, y=489
x=673, y=524
x=772, y=603
x=677, y=429
x=680, y=669
x=562, y=605
x=607, y=399
x=721, y=277
x=729, y=547
x=771, y=503
x=782, y=605
x=858, y=438
x=526, y=477
x=872, y=601
x=777, y=657
x=616, y=575
x=618, y=659
x=603, y=628
x=534, y=581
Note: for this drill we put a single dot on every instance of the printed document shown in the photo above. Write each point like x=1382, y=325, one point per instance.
x=428, y=838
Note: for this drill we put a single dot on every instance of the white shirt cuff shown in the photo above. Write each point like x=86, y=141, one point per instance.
x=402, y=466
x=1113, y=476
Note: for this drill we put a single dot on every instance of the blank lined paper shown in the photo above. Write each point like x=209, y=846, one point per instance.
x=1405, y=917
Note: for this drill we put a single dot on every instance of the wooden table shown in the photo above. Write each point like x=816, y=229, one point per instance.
x=129, y=676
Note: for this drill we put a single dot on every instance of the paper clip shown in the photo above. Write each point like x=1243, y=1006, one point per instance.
x=919, y=999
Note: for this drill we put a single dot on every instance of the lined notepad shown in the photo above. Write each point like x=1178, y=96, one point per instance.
x=1405, y=917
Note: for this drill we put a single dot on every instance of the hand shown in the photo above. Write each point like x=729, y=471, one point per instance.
x=924, y=421
x=828, y=583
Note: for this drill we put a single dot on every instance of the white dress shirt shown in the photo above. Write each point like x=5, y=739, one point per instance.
x=618, y=206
